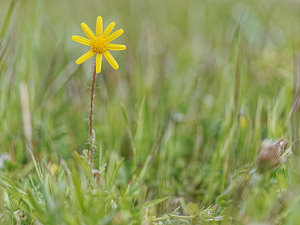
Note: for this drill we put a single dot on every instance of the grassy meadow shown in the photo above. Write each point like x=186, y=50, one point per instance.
x=202, y=87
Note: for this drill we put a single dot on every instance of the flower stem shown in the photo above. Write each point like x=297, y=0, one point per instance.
x=91, y=121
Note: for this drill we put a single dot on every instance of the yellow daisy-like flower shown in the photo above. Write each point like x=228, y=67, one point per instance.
x=100, y=44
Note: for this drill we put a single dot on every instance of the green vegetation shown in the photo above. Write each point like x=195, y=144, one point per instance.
x=178, y=128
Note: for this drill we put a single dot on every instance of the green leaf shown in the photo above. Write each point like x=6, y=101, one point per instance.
x=235, y=45
x=155, y=202
x=139, y=118
x=7, y=18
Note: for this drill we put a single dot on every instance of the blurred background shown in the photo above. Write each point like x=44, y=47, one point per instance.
x=177, y=57
x=203, y=101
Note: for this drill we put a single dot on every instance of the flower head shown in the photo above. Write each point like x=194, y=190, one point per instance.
x=100, y=44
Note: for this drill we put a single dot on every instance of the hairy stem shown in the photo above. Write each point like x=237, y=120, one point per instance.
x=91, y=120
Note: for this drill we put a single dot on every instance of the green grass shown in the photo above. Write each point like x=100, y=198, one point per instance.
x=178, y=127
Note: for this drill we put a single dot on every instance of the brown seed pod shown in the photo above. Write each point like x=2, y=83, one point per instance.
x=271, y=153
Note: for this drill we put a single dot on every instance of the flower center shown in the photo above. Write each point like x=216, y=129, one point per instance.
x=99, y=45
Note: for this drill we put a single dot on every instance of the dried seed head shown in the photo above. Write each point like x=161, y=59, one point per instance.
x=95, y=172
x=271, y=153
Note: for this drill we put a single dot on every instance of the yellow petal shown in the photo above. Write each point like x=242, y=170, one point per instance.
x=85, y=57
x=111, y=60
x=115, y=35
x=88, y=31
x=108, y=29
x=116, y=47
x=98, y=63
x=99, y=26
x=81, y=40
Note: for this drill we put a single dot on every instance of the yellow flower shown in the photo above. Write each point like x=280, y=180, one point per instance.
x=53, y=169
x=243, y=122
x=100, y=44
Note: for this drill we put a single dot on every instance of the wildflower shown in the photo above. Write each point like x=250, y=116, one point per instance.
x=243, y=123
x=53, y=168
x=100, y=44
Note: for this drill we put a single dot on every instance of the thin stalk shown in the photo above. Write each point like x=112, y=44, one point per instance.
x=91, y=120
x=236, y=87
x=295, y=111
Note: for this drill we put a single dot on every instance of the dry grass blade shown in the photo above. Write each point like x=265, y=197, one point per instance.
x=27, y=125
x=26, y=116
